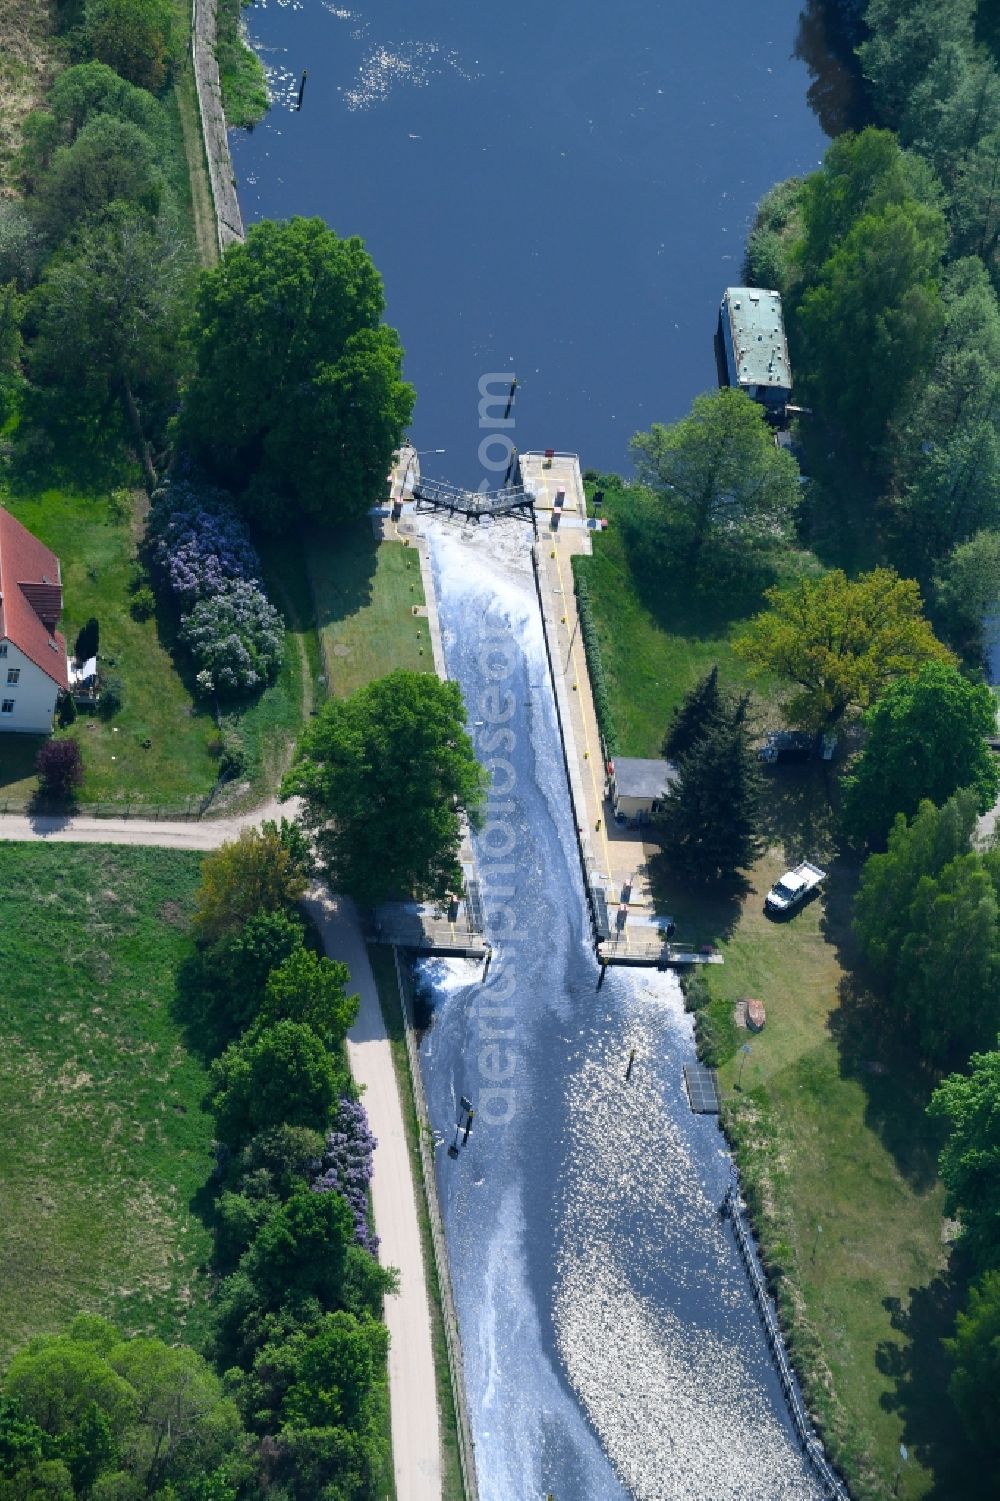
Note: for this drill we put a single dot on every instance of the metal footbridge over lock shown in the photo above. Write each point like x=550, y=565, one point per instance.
x=475, y=505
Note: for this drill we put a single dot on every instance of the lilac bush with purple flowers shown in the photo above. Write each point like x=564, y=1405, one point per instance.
x=346, y=1166
x=200, y=549
x=236, y=639
x=198, y=542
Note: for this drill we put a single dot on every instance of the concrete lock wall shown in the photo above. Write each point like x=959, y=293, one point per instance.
x=229, y=220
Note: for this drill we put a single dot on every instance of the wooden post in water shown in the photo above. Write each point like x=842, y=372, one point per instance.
x=302, y=87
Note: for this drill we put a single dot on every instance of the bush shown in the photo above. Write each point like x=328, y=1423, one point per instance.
x=197, y=543
x=232, y=756
x=88, y=642
x=132, y=37
x=236, y=639
x=65, y=710
x=60, y=769
x=595, y=666
x=143, y=604
x=346, y=1167
x=111, y=697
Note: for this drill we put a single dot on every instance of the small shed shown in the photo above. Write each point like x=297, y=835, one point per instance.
x=638, y=787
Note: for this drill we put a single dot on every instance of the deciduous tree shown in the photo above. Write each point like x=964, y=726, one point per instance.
x=133, y=37
x=721, y=484
x=917, y=850
x=262, y=870
x=974, y=1352
x=840, y=641
x=925, y=739
x=970, y=1160
x=283, y=1075
x=297, y=398
x=310, y=989
x=385, y=776
x=106, y=322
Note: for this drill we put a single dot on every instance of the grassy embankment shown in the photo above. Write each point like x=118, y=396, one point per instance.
x=241, y=73
x=829, y=1124
x=106, y=1144
x=364, y=593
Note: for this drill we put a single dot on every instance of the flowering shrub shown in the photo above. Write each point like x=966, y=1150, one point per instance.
x=346, y=1166
x=236, y=638
x=198, y=543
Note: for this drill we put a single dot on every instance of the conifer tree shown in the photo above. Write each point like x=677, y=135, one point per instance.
x=690, y=719
x=709, y=824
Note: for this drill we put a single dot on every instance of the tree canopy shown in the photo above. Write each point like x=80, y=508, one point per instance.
x=281, y=1075
x=106, y=319
x=310, y=989
x=709, y=822
x=296, y=400
x=925, y=739
x=720, y=483
x=110, y=161
x=118, y=1418
x=262, y=870
x=927, y=916
x=970, y=1160
x=974, y=1352
x=840, y=641
x=967, y=591
x=385, y=776
x=133, y=37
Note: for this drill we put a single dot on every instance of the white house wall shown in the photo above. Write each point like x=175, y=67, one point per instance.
x=34, y=695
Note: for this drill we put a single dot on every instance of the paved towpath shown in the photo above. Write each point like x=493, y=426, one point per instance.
x=416, y=1442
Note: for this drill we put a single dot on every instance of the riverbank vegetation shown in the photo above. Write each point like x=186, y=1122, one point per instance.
x=897, y=366
x=241, y=73
x=298, y=1304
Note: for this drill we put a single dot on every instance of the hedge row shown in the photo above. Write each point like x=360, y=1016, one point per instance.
x=595, y=666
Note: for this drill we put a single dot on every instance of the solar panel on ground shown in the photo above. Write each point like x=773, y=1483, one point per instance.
x=601, y=914
x=703, y=1091
x=474, y=906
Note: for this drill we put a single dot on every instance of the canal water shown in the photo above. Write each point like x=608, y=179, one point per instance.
x=558, y=190
x=612, y=1346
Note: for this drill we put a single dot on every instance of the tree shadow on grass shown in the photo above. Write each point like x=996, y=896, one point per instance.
x=700, y=606
x=703, y=914
x=919, y=1369
x=343, y=574
x=797, y=811
x=877, y=1050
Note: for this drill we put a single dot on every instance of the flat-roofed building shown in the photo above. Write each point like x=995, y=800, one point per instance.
x=638, y=787
x=755, y=347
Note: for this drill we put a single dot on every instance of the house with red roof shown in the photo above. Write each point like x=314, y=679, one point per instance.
x=33, y=665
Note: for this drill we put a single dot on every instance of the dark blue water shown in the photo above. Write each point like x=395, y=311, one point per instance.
x=560, y=190
x=612, y=1347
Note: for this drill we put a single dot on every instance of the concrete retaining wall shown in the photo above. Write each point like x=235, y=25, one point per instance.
x=456, y=1366
x=229, y=220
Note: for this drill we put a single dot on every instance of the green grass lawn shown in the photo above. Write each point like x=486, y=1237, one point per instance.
x=97, y=552
x=829, y=1124
x=830, y=1131
x=105, y=1144
x=364, y=593
x=659, y=636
